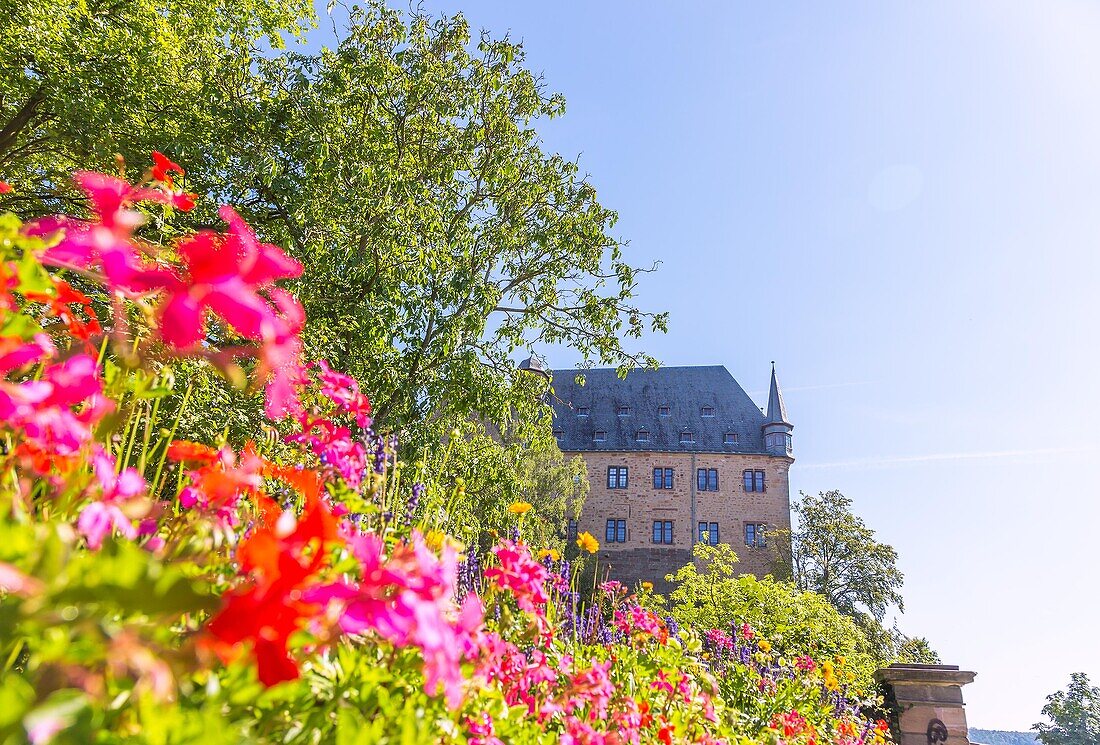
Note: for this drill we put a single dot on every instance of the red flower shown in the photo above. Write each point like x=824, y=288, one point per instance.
x=5, y=187
x=281, y=560
x=184, y=450
x=58, y=306
x=224, y=273
x=163, y=167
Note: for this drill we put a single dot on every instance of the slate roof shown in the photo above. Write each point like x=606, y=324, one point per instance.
x=777, y=410
x=684, y=390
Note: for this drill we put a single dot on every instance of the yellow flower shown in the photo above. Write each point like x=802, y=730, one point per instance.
x=588, y=543
x=647, y=586
x=549, y=553
x=765, y=645
x=519, y=508
x=434, y=539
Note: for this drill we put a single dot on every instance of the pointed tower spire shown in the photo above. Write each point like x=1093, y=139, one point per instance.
x=777, y=429
x=777, y=410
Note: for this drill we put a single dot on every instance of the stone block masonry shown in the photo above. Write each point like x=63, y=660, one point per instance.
x=639, y=558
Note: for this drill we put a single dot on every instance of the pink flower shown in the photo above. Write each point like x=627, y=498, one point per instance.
x=106, y=242
x=343, y=390
x=408, y=599
x=520, y=574
x=44, y=409
x=98, y=519
x=14, y=581
x=225, y=274
x=591, y=689
x=336, y=447
x=15, y=353
x=481, y=730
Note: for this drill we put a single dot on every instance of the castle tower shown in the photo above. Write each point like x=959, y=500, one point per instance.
x=534, y=364
x=776, y=428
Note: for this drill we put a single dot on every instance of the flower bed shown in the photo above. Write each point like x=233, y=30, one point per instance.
x=295, y=588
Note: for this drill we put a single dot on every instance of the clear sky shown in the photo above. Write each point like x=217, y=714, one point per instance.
x=900, y=204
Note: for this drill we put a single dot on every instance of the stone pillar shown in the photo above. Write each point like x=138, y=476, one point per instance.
x=927, y=703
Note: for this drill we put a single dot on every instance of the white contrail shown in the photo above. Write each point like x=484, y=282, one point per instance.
x=901, y=460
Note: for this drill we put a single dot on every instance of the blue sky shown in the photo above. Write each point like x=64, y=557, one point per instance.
x=897, y=202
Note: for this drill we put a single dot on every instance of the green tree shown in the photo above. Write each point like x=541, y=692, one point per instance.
x=401, y=165
x=711, y=594
x=82, y=81
x=1074, y=714
x=833, y=553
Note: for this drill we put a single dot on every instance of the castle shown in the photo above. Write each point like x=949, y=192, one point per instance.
x=675, y=456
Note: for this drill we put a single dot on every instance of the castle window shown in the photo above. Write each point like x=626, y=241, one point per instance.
x=571, y=530
x=616, y=531
x=662, y=478
x=756, y=535
x=616, y=477
x=582, y=411
x=708, y=533
x=624, y=411
x=730, y=439
x=662, y=531
x=664, y=411
x=686, y=438
x=641, y=435
x=707, y=411
x=754, y=480
x=599, y=435
x=558, y=433
x=707, y=479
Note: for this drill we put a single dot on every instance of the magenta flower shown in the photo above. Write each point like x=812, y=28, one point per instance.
x=408, y=599
x=44, y=409
x=224, y=274
x=520, y=574
x=107, y=242
x=343, y=390
x=98, y=519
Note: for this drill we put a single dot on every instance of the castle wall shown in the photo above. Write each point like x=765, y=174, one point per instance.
x=639, y=558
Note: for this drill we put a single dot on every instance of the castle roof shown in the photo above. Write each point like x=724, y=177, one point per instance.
x=664, y=404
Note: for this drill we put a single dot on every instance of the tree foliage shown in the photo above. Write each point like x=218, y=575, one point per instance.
x=1074, y=714
x=711, y=594
x=834, y=553
x=401, y=165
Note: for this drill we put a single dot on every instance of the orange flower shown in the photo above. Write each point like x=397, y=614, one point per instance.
x=187, y=451
x=588, y=543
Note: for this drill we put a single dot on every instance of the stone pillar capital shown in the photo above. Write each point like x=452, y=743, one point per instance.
x=927, y=702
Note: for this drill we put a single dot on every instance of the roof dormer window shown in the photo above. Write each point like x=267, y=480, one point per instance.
x=642, y=435
x=600, y=436
x=624, y=411
x=664, y=411
x=582, y=411
x=707, y=411
x=559, y=433
x=686, y=438
x=730, y=438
